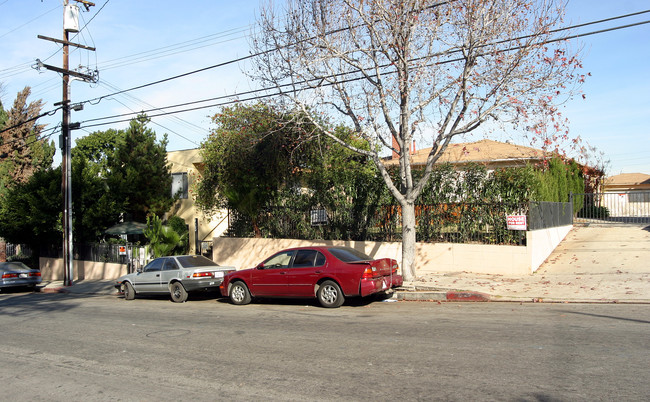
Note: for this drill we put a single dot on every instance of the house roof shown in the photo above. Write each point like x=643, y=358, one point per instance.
x=628, y=179
x=484, y=151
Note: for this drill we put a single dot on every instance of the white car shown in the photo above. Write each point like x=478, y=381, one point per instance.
x=176, y=275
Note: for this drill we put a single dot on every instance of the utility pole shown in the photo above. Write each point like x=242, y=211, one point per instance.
x=70, y=24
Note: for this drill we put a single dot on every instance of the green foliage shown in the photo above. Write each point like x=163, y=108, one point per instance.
x=557, y=180
x=98, y=148
x=30, y=213
x=593, y=212
x=250, y=156
x=139, y=175
x=21, y=146
x=162, y=239
x=94, y=206
x=178, y=225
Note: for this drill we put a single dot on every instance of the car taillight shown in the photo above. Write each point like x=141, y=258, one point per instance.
x=202, y=275
x=369, y=272
x=9, y=275
x=395, y=268
x=35, y=274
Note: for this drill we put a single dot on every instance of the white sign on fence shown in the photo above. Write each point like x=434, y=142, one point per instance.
x=516, y=222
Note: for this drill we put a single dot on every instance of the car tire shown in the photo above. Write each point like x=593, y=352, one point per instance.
x=239, y=293
x=330, y=295
x=178, y=292
x=129, y=292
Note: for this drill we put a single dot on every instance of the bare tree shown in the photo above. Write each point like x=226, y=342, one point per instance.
x=397, y=69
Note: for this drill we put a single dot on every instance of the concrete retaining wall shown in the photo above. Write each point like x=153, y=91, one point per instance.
x=52, y=269
x=430, y=258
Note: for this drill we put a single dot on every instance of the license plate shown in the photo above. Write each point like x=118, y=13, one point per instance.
x=385, y=283
x=23, y=276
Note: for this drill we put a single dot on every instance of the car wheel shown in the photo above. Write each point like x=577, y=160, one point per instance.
x=239, y=293
x=329, y=294
x=178, y=292
x=129, y=292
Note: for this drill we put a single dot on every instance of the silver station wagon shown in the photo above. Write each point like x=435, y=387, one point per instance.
x=176, y=275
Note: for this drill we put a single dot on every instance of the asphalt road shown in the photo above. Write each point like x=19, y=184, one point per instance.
x=73, y=348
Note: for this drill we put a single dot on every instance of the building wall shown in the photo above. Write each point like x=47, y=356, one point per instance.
x=190, y=162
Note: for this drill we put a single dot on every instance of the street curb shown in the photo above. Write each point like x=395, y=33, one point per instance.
x=450, y=295
x=46, y=289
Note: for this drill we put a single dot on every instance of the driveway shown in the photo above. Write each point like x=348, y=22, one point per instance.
x=602, y=250
x=592, y=264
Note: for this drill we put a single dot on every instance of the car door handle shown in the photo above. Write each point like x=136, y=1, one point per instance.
x=318, y=272
x=157, y=275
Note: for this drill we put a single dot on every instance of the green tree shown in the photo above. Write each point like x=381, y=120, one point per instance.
x=30, y=212
x=248, y=157
x=23, y=151
x=95, y=206
x=138, y=172
x=98, y=148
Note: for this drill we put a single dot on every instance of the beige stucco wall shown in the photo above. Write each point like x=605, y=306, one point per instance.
x=52, y=270
x=543, y=243
x=430, y=258
x=189, y=161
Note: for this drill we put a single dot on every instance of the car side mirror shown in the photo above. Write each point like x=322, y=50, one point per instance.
x=139, y=270
x=260, y=266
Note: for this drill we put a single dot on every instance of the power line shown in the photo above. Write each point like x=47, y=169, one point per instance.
x=238, y=95
x=232, y=61
x=96, y=100
x=28, y=22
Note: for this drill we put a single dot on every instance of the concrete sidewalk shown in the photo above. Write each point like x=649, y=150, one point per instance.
x=592, y=265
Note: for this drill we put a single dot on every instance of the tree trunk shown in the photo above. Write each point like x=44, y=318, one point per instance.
x=408, y=241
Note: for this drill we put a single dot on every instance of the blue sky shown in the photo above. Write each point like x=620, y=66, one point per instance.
x=143, y=41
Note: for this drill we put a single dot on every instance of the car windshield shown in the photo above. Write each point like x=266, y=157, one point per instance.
x=12, y=266
x=191, y=261
x=347, y=254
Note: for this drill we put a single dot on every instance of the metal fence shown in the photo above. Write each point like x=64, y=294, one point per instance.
x=101, y=252
x=18, y=252
x=544, y=214
x=613, y=208
x=450, y=222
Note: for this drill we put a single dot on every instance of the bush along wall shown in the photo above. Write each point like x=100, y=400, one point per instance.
x=468, y=205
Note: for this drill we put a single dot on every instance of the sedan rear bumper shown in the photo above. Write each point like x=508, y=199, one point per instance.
x=197, y=284
x=370, y=286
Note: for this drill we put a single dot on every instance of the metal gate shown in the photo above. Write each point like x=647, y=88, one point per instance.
x=629, y=207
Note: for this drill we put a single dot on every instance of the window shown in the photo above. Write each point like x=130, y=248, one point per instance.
x=170, y=265
x=308, y=258
x=179, y=185
x=192, y=261
x=347, y=254
x=155, y=265
x=318, y=217
x=280, y=260
x=639, y=197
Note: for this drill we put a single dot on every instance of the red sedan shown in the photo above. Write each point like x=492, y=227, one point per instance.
x=328, y=273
